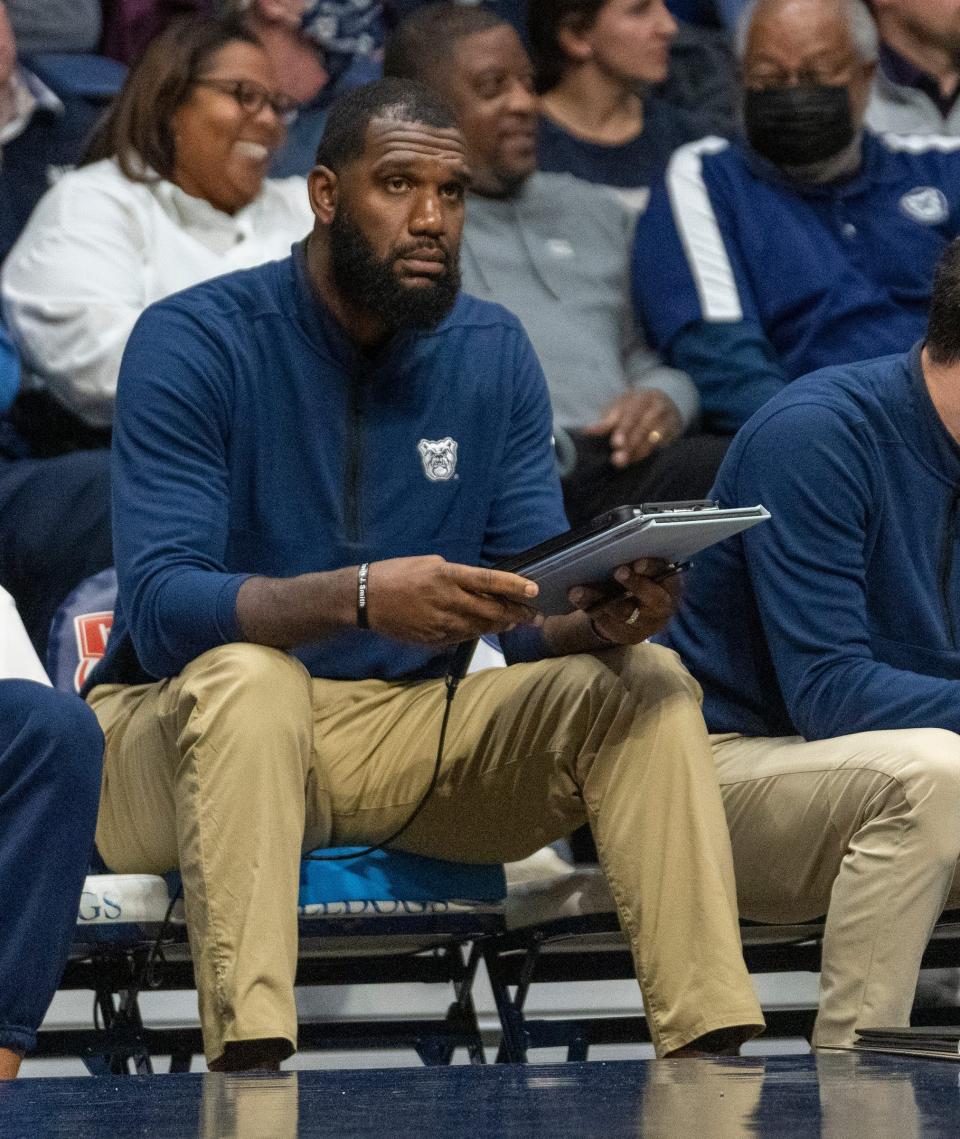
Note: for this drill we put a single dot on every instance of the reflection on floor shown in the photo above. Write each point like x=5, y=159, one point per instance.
x=832, y=1095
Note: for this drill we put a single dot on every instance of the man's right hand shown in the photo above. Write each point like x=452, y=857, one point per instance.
x=430, y=601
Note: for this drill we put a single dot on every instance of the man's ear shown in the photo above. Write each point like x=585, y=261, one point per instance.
x=323, y=187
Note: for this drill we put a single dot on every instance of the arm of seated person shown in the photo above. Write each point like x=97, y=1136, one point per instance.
x=810, y=573
x=418, y=600
x=734, y=367
x=74, y=285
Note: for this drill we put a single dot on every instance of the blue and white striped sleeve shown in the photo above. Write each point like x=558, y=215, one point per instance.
x=686, y=267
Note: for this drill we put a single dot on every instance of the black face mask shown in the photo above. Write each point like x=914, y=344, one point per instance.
x=798, y=126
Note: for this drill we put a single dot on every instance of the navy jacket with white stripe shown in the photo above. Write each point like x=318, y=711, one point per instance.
x=747, y=280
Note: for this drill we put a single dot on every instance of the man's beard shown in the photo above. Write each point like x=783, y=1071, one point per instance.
x=374, y=285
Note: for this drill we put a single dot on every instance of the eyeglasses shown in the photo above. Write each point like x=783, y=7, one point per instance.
x=252, y=98
x=837, y=74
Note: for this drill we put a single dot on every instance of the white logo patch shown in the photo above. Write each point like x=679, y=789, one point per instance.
x=439, y=458
x=925, y=204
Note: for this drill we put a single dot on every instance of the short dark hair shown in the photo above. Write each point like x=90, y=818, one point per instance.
x=545, y=18
x=345, y=133
x=943, y=328
x=136, y=129
x=422, y=45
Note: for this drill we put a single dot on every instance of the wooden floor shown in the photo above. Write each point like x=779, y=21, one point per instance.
x=837, y=1096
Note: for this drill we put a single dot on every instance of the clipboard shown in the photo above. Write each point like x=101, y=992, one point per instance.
x=672, y=531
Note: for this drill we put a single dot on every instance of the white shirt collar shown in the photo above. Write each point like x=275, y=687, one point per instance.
x=217, y=230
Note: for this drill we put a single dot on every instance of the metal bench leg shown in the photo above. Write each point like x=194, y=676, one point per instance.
x=513, y=1047
x=464, y=1009
x=461, y=1019
x=181, y=1060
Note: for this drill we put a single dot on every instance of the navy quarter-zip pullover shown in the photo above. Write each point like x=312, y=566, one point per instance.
x=252, y=437
x=840, y=615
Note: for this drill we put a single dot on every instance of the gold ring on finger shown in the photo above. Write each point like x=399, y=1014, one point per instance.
x=634, y=616
x=655, y=438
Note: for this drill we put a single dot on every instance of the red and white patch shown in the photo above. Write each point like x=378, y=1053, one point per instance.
x=92, y=631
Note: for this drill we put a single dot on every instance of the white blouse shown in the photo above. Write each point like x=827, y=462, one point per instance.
x=99, y=248
x=17, y=657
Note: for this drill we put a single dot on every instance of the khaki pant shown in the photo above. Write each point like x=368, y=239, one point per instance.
x=233, y=768
x=863, y=828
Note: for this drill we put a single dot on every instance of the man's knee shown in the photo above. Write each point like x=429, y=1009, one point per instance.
x=241, y=699
x=928, y=770
x=254, y=674
x=653, y=673
x=60, y=742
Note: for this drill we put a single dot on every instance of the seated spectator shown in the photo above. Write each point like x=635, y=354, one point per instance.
x=595, y=60
x=555, y=251
x=43, y=129
x=50, y=758
x=815, y=242
x=130, y=26
x=826, y=645
x=176, y=194
x=54, y=515
x=298, y=64
x=917, y=88
x=265, y=694
x=55, y=25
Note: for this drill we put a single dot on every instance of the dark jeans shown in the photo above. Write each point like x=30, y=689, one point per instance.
x=684, y=469
x=54, y=531
x=51, y=752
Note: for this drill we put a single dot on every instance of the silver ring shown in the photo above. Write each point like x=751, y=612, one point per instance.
x=634, y=617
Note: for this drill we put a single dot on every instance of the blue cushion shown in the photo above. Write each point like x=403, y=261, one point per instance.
x=396, y=875
x=71, y=74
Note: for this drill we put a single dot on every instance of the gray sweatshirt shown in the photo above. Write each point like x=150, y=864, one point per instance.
x=557, y=254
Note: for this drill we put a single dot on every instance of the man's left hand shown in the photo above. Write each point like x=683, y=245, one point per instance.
x=645, y=606
x=638, y=423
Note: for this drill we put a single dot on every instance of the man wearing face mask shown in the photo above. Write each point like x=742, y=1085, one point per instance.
x=811, y=241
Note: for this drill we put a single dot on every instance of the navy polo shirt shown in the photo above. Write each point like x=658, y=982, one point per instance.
x=830, y=273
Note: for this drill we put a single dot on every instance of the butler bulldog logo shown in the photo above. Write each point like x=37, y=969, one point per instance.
x=926, y=204
x=439, y=458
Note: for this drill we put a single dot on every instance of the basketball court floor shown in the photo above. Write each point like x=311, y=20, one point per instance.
x=835, y=1095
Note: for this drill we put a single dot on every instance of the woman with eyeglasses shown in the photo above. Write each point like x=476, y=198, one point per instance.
x=173, y=191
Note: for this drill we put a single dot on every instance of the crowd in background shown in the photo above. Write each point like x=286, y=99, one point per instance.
x=689, y=205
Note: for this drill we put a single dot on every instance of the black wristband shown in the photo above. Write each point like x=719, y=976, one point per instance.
x=362, y=573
